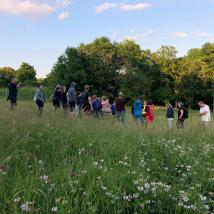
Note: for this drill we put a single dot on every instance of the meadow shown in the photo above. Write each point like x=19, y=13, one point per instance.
x=58, y=164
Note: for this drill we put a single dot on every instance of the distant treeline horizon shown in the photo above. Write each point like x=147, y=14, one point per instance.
x=109, y=67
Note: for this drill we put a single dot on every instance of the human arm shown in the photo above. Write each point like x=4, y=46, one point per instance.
x=181, y=114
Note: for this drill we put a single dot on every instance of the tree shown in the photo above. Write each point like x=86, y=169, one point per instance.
x=26, y=74
x=6, y=74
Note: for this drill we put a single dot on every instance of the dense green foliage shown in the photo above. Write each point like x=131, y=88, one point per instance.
x=80, y=165
x=109, y=67
x=25, y=74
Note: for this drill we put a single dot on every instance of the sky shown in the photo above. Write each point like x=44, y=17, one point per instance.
x=39, y=31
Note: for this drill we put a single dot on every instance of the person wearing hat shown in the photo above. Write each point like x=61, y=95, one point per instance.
x=120, y=108
x=72, y=96
x=13, y=87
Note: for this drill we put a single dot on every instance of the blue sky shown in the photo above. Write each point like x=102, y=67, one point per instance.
x=38, y=31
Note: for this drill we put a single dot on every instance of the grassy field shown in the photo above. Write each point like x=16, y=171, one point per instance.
x=57, y=164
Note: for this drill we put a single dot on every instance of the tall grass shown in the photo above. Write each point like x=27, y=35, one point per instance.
x=55, y=163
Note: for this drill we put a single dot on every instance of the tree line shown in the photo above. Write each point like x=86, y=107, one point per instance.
x=109, y=67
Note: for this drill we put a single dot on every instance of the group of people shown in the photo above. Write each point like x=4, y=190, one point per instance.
x=100, y=107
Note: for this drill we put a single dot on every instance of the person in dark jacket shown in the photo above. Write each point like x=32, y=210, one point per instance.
x=13, y=87
x=72, y=96
x=57, y=97
x=64, y=98
x=170, y=116
x=182, y=115
x=120, y=108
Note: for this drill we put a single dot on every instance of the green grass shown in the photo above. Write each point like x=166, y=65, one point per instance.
x=97, y=166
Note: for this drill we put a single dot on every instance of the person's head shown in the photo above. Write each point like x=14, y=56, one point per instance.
x=180, y=104
x=170, y=104
x=201, y=103
x=58, y=87
x=40, y=86
x=121, y=95
x=14, y=80
x=73, y=84
x=64, y=88
x=137, y=97
x=94, y=97
x=86, y=87
x=104, y=97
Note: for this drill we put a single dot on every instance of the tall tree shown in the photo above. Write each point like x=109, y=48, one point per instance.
x=26, y=73
x=6, y=74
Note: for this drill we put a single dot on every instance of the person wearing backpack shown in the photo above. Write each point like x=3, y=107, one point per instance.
x=137, y=110
x=182, y=115
x=86, y=100
x=150, y=113
x=40, y=98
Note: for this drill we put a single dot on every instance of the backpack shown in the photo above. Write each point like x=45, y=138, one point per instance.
x=186, y=113
x=96, y=105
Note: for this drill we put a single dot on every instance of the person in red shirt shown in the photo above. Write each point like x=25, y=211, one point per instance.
x=120, y=108
x=150, y=113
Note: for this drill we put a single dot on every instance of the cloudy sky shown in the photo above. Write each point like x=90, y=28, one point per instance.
x=38, y=31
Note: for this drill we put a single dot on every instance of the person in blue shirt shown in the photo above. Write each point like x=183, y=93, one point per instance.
x=97, y=107
x=137, y=110
x=113, y=109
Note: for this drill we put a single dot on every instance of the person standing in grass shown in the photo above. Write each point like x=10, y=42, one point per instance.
x=97, y=107
x=64, y=98
x=57, y=97
x=120, y=108
x=72, y=97
x=205, y=114
x=40, y=98
x=182, y=115
x=106, y=107
x=13, y=87
x=113, y=110
x=86, y=100
x=150, y=113
x=138, y=110
x=170, y=116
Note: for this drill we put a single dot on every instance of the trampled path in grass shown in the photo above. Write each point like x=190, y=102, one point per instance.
x=57, y=164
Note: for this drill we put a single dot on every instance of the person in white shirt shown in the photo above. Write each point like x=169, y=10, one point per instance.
x=204, y=114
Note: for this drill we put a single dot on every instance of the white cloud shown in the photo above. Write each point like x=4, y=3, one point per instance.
x=28, y=8
x=122, y=6
x=63, y=3
x=140, y=36
x=104, y=7
x=138, y=6
x=64, y=15
x=180, y=35
x=201, y=34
